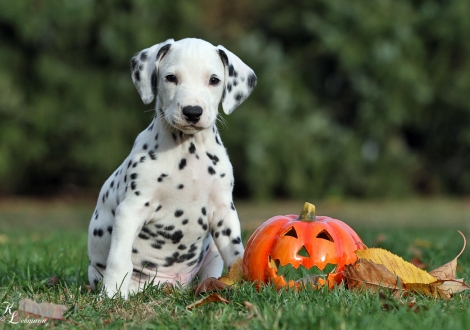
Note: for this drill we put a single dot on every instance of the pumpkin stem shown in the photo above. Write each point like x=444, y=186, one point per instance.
x=308, y=212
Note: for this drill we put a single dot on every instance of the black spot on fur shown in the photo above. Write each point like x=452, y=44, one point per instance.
x=152, y=155
x=145, y=146
x=100, y=265
x=216, y=234
x=219, y=224
x=134, y=176
x=181, y=247
x=143, y=236
x=135, y=251
x=217, y=140
x=222, y=175
x=110, y=229
x=137, y=75
x=147, y=204
x=204, y=226
x=203, y=210
x=156, y=246
x=226, y=232
x=236, y=253
x=232, y=206
x=98, y=232
x=143, y=56
x=174, y=136
x=142, y=159
x=171, y=227
x=158, y=208
x=133, y=185
x=251, y=82
x=238, y=97
x=175, y=237
x=180, y=186
x=200, y=221
x=182, y=164
x=178, y=213
x=229, y=88
x=161, y=177
x=192, y=148
x=185, y=221
x=135, y=165
x=134, y=63
x=214, y=158
x=112, y=184
x=211, y=170
x=237, y=240
x=113, y=212
x=231, y=70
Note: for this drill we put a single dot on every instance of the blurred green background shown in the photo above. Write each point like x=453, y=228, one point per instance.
x=355, y=98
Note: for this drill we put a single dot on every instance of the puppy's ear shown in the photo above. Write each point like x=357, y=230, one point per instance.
x=239, y=80
x=144, y=66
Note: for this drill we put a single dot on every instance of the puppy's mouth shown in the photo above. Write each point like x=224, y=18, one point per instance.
x=181, y=125
x=189, y=129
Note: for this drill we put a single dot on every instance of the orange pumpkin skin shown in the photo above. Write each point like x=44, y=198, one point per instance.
x=327, y=241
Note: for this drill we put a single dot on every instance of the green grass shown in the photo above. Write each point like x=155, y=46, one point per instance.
x=43, y=257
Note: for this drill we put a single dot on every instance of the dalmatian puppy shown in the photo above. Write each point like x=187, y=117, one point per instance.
x=166, y=214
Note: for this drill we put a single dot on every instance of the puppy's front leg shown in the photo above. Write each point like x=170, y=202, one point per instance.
x=225, y=227
x=127, y=224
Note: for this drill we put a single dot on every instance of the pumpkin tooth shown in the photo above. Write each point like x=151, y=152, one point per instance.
x=273, y=263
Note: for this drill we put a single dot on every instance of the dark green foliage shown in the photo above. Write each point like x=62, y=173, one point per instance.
x=354, y=98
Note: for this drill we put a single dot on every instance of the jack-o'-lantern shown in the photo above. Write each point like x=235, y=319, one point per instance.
x=306, y=241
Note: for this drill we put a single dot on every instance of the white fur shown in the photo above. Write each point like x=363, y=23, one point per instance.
x=166, y=214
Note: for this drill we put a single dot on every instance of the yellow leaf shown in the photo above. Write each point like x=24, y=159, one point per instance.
x=235, y=273
x=406, y=271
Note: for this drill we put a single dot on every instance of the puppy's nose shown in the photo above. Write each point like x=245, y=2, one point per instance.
x=192, y=114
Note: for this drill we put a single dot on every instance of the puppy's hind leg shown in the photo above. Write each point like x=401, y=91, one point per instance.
x=212, y=265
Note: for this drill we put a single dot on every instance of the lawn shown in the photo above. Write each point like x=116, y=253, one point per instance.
x=43, y=257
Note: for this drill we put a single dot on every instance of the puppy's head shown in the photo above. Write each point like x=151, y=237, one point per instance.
x=189, y=78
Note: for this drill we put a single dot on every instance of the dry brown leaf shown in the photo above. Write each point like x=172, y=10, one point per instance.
x=367, y=274
x=447, y=271
x=208, y=285
x=235, y=273
x=407, y=272
x=28, y=307
x=213, y=297
x=454, y=286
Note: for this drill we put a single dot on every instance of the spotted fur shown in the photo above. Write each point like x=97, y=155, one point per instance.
x=166, y=214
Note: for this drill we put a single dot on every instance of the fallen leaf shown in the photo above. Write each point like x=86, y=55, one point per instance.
x=367, y=274
x=29, y=307
x=248, y=305
x=407, y=272
x=213, y=297
x=208, y=285
x=235, y=274
x=447, y=271
x=378, y=268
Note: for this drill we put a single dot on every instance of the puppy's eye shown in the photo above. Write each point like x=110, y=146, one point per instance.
x=171, y=78
x=214, y=81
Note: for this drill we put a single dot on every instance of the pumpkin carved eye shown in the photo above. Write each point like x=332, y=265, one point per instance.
x=290, y=232
x=325, y=235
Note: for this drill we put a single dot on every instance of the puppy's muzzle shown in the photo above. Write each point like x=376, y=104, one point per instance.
x=192, y=114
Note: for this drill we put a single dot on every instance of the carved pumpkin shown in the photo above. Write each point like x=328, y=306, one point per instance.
x=306, y=240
